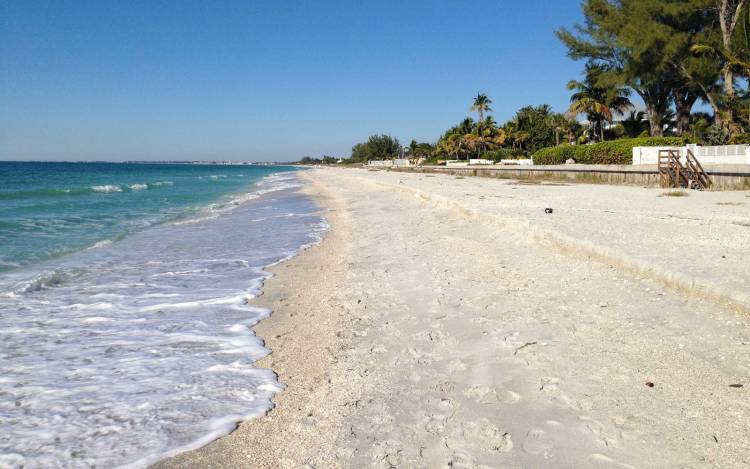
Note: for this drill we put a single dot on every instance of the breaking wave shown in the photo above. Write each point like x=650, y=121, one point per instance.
x=143, y=347
x=73, y=191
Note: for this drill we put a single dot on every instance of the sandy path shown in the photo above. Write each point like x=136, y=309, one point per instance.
x=443, y=339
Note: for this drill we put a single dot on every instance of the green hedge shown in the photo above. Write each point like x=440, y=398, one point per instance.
x=740, y=139
x=611, y=152
x=502, y=153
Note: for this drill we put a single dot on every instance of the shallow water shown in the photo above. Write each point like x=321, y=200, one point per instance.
x=134, y=350
x=51, y=209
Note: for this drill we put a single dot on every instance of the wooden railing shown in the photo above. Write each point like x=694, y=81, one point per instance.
x=670, y=168
x=672, y=173
x=699, y=179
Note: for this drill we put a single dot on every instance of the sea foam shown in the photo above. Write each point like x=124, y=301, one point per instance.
x=106, y=188
x=142, y=348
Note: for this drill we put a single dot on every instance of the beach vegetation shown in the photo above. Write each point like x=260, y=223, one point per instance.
x=533, y=124
x=669, y=54
x=421, y=149
x=672, y=54
x=609, y=152
x=377, y=147
x=326, y=159
x=599, y=103
x=530, y=129
x=635, y=124
x=674, y=193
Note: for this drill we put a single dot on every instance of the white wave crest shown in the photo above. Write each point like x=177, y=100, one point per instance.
x=106, y=188
x=160, y=184
x=101, y=243
x=41, y=281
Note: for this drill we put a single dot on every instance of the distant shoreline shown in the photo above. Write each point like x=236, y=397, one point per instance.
x=166, y=162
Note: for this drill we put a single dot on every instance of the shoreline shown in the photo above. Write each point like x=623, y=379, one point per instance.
x=211, y=381
x=186, y=214
x=427, y=332
x=300, y=359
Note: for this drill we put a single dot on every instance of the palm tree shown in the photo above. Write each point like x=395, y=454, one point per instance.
x=733, y=53
x=466, y=126
x=413, y=145
x=492, y=135
x=488, y=126
x=473, y=143
x=668, y=121
x=497, y=140
x=599, y=103
x=559, y=124
x=734, y=23
x=635, y=124
x=480, y=106
x=518, y=138
x=451, y=143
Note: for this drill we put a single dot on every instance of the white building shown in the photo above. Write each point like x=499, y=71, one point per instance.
x=719, y=154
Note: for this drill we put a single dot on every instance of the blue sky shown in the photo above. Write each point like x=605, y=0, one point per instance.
x=265, y=80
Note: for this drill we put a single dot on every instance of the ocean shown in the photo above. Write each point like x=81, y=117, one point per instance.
x=126, y=305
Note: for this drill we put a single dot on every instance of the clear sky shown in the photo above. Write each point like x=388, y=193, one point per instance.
x=265, y=80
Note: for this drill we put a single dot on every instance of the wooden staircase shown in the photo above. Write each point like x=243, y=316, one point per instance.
x=672, y=173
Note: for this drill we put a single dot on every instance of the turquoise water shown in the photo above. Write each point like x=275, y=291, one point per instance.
x=50, y=209
x=126, y=305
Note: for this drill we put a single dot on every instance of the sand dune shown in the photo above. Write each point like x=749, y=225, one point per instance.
x=452, y=323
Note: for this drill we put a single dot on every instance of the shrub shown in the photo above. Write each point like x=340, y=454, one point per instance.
x=558, y=154
x=502, y=153
x=677, y=193
x=611, y=152
x=740, y=139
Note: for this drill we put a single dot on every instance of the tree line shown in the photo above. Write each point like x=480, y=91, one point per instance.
x=672, y=54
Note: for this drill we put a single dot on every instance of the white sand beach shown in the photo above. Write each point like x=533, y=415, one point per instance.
x=451, y=322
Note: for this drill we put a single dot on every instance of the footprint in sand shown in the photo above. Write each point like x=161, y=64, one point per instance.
x=435, y=424
x=483, y=394
x=537, y=441
x=628, y=426
x=603, y=461
x=507, y=396
x=597, y=428
x=436, y=338
x=461, y=460
x=446, y=404
x=456, y=365
x=549, y=384
x=378, y=349
x=551, y=387
x=488, y=436
x=419, y=356
x=445, y=387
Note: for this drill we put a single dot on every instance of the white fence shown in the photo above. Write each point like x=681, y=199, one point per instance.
x=398, y=162
x=720, y=154
x=464, y=163
x=521, y=162
x=723, y=154
x=380, y=163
